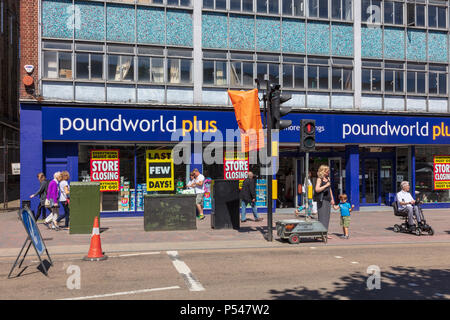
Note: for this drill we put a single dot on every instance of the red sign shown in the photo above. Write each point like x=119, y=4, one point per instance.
x=441, y=173
x=105, y=168
x=235, y=166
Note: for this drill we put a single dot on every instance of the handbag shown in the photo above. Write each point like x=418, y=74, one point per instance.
x=318, y=197
x=47, y=203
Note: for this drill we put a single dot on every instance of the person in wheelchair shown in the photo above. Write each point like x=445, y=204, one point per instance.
x=407, y=203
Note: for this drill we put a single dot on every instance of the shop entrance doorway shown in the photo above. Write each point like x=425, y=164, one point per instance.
x=377, y=179
x=335, y=165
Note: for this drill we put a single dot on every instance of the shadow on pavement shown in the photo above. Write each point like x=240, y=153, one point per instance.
x=397, y=283
x=30, y=271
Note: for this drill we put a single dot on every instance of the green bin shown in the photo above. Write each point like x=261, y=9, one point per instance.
x=84, y=206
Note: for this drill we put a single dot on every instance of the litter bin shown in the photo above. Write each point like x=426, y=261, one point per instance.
x=169, y=212
x=84, y=206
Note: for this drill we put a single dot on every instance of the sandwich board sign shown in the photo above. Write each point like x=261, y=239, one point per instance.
x=34, y=238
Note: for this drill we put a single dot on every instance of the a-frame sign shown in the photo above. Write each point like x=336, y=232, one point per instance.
x=34, y=238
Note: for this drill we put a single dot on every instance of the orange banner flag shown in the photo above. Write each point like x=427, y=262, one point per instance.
x=248, y=117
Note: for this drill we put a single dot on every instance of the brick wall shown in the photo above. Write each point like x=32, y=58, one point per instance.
x=29, y=44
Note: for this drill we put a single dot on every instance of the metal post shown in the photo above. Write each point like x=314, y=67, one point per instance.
x=5, y=170
x=270, y=172
x=306, y=184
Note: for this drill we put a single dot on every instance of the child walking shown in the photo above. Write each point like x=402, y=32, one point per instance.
x=345, y=208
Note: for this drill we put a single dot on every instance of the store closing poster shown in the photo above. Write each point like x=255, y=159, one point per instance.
x=441, y=173
x=236, y=166
x=160, y=172
x=105, y=168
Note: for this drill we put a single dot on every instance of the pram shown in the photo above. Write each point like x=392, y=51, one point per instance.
x=419, y=228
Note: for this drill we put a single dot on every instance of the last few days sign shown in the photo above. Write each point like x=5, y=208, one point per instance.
x=441, y=173
x=160, y=174
x=105, y=168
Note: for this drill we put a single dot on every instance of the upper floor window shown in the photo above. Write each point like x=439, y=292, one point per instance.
x=184, y=3
x=215, y=68
x=393, y=12
x=57, y=58
x=318, y=70
x=179, y=66
x=150, y=65
x=416, y=74
x=293, y=72
x=215, y=4
x=294, y=7
x=394, y=77
x=241, y=70
x=342, y=74
x=268, y=6
x=241, y=5
x=371, y=76
x=341, y=9
x=416, y=14
x=437, y=79
x=318, y=8
x=268, y=65
x=371, y=11
x=437, y=17
x=121, y=63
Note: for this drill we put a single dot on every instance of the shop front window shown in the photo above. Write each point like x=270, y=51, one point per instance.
x=402, y=166
x=424, y=174
x=115, y=200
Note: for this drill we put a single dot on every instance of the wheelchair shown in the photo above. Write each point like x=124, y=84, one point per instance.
x=419, y=228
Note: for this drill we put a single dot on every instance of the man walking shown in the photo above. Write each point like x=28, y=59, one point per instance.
x=199, y=191
x=248, y=195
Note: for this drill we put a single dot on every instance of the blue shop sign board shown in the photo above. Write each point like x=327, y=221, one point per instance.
x=101, y=124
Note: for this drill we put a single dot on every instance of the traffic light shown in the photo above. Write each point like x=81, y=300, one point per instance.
x=277, y=110
x=307, y=135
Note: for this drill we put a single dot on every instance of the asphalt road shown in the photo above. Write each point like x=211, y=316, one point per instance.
x=415, y=271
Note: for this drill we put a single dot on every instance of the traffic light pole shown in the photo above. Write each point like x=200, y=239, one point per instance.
x=269, y=170
x=306, y=184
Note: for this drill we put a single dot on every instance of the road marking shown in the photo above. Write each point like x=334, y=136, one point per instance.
x=312, y=248
x=338, y=257
x=138, y=254
x=186, y=273
x=122, y=293
x=355, y=262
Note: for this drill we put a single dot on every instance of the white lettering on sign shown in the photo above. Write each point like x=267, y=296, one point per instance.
x=118, y=124
x=385, y=129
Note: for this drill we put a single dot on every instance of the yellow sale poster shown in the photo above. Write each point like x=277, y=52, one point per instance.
x=160, y=173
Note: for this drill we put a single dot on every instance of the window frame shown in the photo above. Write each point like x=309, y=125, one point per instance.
x=216, y=60
x=292, y=14
x=342, y=13
x=57, y=51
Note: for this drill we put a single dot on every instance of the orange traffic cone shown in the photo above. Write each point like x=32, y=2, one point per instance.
x=95, y=251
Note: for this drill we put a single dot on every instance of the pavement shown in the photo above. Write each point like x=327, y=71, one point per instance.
x=128, y=235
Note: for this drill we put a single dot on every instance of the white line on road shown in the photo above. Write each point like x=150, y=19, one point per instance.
x=355, y=262
x=338, y=257
x=122, y=293
x=138, y=254
x=183, y=269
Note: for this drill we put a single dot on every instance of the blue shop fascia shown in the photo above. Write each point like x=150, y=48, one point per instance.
x=369, y=155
